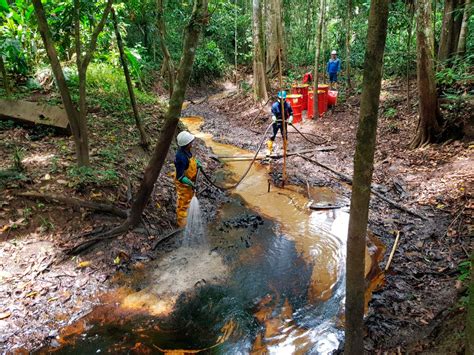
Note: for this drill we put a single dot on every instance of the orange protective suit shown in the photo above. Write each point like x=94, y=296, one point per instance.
x=185, y=192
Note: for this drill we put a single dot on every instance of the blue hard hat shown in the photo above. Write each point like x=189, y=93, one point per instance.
x=282, y=94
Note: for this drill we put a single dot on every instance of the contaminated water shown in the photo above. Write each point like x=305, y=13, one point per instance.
x=194, y=234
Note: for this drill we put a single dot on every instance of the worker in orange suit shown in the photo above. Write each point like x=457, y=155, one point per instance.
x=186, y=172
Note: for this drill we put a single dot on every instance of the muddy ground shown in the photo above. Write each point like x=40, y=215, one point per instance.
x=42, y=289
x=422, y=291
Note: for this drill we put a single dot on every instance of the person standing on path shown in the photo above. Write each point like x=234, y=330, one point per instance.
x=333, y=68
x=186, y=172
x=277, y=118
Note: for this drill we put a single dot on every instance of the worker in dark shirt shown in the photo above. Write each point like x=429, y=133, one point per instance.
x=277, y=118
x=333, y=68
x=186, y=171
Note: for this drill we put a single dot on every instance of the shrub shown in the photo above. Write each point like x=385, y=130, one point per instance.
x=209, y=63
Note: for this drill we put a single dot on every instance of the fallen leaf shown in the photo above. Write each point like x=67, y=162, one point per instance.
x=32, y=294
x=4, y=315
x=83, y=264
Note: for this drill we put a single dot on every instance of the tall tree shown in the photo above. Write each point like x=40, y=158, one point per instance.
x=317, y=54
x=198, y=20
x=428, y=109
x=259, y=74
x=452, y=25
x=363, y=169
x=131, y=93
x=461, y=45
x=411, y=14
x=77, y=119
x=446, y=30
x=470, y=314
x=168, y=65
x=348, y=45
x=274, y=38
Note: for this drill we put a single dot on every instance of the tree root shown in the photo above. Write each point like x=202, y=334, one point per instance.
x=75, y=202
x=99, y=235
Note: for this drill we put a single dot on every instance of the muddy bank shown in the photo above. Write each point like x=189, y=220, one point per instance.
x=42, y=289
x=421, y=285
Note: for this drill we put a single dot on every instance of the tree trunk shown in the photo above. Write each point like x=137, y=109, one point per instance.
x=131, y=93
x=445, y=43
x=461, y=45
x=470, y=312
x=6, y=83
x=77, y=120
x=167, y=61
x=71, y=111
x=259, y=73
x=316, y=58
x=457, y=23
x=236, y=39
x=363, y=169
x=198, y=20
x=411, y=11
x=430, y=117
x=309, y=17
x=274, y=38
x=82, y=141
x=348, y=46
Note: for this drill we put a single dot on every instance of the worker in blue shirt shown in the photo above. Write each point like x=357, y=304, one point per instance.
x=333, y=68
x=186, y=172
x=277, y=118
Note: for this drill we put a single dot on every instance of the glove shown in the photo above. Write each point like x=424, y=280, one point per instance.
x=290, y=120
x=274, y=119
x=199, y=165
x=188, y=182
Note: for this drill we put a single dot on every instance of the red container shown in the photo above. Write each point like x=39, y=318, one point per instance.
x=322, y=108
x=310, y=105
x=301, y=89
x=332, y=98
x=325, y=88
x=296, y=102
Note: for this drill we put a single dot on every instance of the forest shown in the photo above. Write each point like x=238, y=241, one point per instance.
x=242, y=176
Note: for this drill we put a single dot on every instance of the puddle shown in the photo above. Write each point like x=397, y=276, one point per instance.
x=271, y=280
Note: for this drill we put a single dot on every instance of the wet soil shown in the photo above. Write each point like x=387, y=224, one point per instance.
x=41, y=288
x=421, y=289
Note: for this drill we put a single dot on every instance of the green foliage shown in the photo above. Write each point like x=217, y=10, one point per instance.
x=18, y=155
x=107, y=89
x=464, y=270
x=456, y=71
x=390, y=112
x=209, y=63
x=17, y=37
x=83, y=176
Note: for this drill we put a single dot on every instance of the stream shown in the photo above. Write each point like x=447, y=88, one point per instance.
x=269, y=279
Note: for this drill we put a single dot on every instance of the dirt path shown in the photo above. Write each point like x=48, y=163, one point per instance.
x=421, y=288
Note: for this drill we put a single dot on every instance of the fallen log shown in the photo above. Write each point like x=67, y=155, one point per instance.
x=75, y=202
x=34, y=112
x=347, y=179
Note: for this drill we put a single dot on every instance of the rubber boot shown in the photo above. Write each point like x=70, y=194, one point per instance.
x=269, y=147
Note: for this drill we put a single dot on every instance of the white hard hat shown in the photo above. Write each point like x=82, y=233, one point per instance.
x=184, y=138
x=333, y=52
